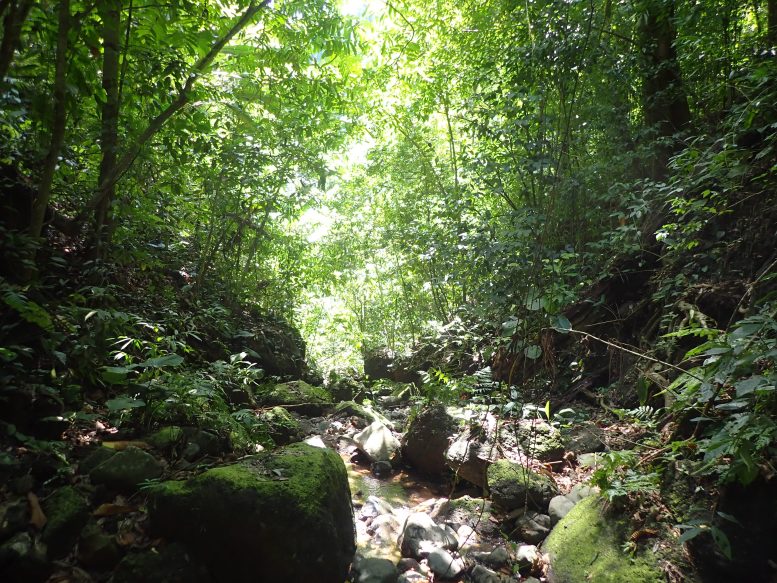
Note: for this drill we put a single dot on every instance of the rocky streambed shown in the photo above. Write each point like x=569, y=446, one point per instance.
x=404, y=494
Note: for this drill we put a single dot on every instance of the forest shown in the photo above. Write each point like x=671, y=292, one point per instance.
x=388, y=291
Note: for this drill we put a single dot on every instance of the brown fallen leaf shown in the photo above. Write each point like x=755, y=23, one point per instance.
x=110, y=509
x=126, y=539
x=37, y=517
x=120, y=445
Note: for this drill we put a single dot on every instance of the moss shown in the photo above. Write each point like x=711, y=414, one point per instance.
x=512, y=485
x=166, y=438
x=67, y=513
x=293, y=393
x=584, y=546
x=170, y=564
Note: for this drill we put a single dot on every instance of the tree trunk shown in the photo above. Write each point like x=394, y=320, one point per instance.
x=771, y=10
x=17, y=12
x=110, y=11
x=664, y=99
x=57, y=125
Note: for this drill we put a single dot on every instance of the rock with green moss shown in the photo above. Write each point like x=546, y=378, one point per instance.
x=540, y=440
x=169, y=564
x=126, y=470
x=286, y=515
x=96, y=548
x=94, y=458
x=587, y=546
x=67, y=512
x=23, y=560
x=166, y=438
x=512, y=485
x=282, y=427
x=427, y=438
x=306, y=398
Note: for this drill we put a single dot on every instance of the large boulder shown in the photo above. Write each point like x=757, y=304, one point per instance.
x=299, y=395
x=473, y=450
x=512, y=485
x=126, y=470
x=420, y=534
x=587, y=546
x=273, y=344
x=283, y=516
x=377, y=442
x=67, y=512
x=427, y=438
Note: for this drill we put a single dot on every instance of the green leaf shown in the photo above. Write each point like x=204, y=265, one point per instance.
x=163, y=361
x=532, y=352
x=722, y=542
x=563, y=324
x=124, y=403
x=689, y=533
x=115, y=375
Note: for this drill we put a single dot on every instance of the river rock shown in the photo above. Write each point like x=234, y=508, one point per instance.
x=444, y=565
x=306, y=399
x=539, y=439
x=126, y=470
x=421, y=534
x=373, y=570
x=67, y=513
x=527, y=556
x=481, y=574
x=496, y=558
x=473, y=450
x=585, y=438
x=13, y=517
x=412, y=577
x=512, y=485
x=532, y=527
x=256, y=514
x=23, y=560
x=558, y=508
x=586, y=546
x=282, y=427
x=97, y=549
x=427, y=438
x=377, y=442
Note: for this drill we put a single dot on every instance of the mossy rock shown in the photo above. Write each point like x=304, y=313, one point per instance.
x=96, y=548
x=169, y=564
x=306, y=398
x=282, y=427
x=97, y=456
x=67, y=512
x=540, y=440
x=512, y=485
x=287, y=513
x=126, y=470
x=586, y=546
x=166, y=438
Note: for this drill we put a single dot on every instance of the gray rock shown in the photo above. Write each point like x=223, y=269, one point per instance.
x=381, y=469
x=126, y=470
x=444, y=565
x=427, y=438
x=373, y=570
x=586, y=438
x=581, y=491
x=558, y=508
x=412, y=577
x=526, y=556
x=97, y=456
x=497, y=558
x=377, y=442
x=532, y=527
x=168, y=564
x=512, y=485
x=481, y=574
x=589, y=460
x=408, y=564
x=420, y=534
x=473, y=450
x=167, y=438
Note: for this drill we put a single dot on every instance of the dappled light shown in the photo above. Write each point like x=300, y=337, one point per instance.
x=398, y=291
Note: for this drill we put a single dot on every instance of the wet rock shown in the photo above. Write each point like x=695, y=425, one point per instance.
x=169, y=564
x=586, y=438
x=527, y=556
x=67, y=513
x=420, y=534
x=558, y=508
x=23, y=560
x=496, y=558
x=532, y=527
x=97, y=549
x=293, y=502
x=444, y=564
x=381, y=469
x=481, y=574
x=373, y=570
x=427, y=439
x=126, y=470
x=585, y=546
x=377, y=442
x=408, y=564
x=512, y=485
x=540, y=440
x=412, y=577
